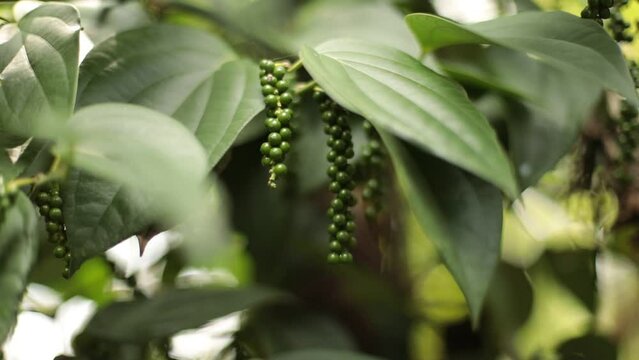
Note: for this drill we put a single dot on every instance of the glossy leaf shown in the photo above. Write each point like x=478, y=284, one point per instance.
x=400, y=95
x=141, y=321
x=460, y=213
x=39, y=71
x=321, y=354
x=20, y=234
x=218, y=110
x=554, y=103
x=577, y=46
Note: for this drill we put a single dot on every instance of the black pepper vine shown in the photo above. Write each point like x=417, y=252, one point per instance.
x=50, y=203
x=277, y=99
x=340, y=171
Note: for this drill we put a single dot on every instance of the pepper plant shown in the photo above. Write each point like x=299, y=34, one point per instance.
x=163, y=127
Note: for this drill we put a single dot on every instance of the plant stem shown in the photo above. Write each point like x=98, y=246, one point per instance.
x=302, y=88
x=296, y=66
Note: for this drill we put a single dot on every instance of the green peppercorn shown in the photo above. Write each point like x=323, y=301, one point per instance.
x=279, y=72
x=276, y=154
x=280, y=169
x=286, y=133
x=60, y=251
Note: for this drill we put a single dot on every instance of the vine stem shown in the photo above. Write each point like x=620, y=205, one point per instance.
x=56, y=171
x=295, y=66
x=302, y=88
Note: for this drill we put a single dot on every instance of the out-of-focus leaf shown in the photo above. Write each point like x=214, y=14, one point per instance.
x=460, y=213
x=282, y=328
x=504, y=316
x=589, y=347
x=576, y=271
x=20, y=235
x=323, y=355
x=399, y=95
x=141, y=321
x=39, y=72
x=551, y=300
x=153, y=156
x=574, y=45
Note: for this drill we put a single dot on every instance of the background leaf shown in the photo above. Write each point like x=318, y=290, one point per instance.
x=579, y=47
x=400, y=95
x=141, y=321
x=39, y=71
x=320, y=354
x=460, y=213
x=20, y=234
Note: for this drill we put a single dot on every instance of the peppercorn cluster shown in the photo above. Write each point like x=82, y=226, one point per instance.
x=597, y=10
x=618, y=25
x=628, y=131
x=49, y=204
x=278, y=100
x=373, y=156
x=341, y=229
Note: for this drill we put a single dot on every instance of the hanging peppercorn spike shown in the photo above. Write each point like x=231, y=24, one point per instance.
x=342, y=223
x=49, y=204
x=373, y=160
x=278, y=100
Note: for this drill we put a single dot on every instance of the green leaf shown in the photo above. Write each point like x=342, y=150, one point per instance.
x=39, y=71
x=218, y=96
x=460, y=213
x=99, y=214
x=143, y=320
x=153, y=167
x=141, y=148
x=20, y=234
x=574, y=45
x=319, y=21
x=218, y=110
x=321, y=354
x=555, y=103
x=400, y=95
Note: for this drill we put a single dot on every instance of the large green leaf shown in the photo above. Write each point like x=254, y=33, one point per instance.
x=400, y=95
x=218, y=94
x=218, y=97
x=141, y=321
x=460, y=213
x=580, y=47
x=20, y=234
x=39, y=71
x=222, y=106
x=555, y=103
x=98, y=214
x=321, y=354
x=144, y=149
x=151, y=158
